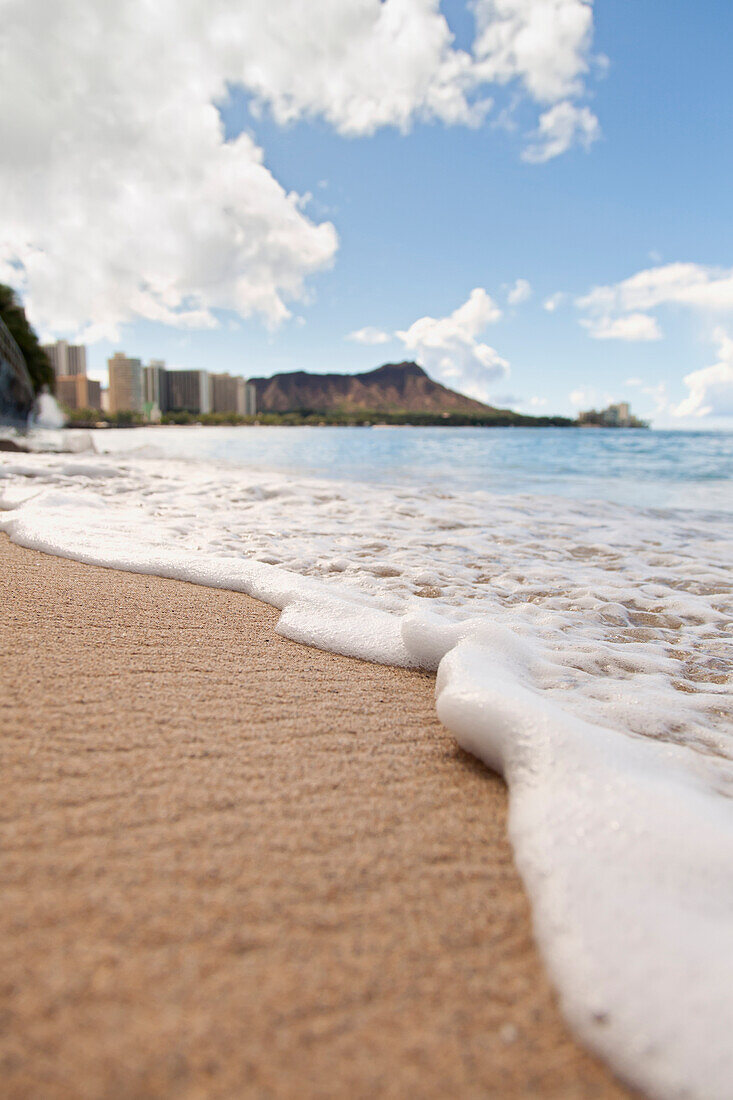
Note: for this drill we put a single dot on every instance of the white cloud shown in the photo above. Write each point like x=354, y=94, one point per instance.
x=450, y=351
x=369, y=335
x=119, y=195
x=520, y=292
x=363, y=64
x=711, y=389
x=545, y=44
x=622, y=310
x=688, y=284
x=554, y=301
x=537, y=402
x=449, y=348
x=360, y=64
x=633, y=326
x=559, y=128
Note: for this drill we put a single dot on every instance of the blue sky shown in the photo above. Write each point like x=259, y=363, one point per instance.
x=427, y=213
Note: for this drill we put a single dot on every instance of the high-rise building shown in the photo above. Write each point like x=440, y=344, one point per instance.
x=187, y=391
x=67, y=359
x=246, y=398
x=77, y=357
x=125, y=384
x=155, y=389
x=223, y=393
x=232, y=394
x=76, y=391
x=94, y=394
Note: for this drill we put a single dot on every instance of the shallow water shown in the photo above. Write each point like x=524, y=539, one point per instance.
x=573, y=589
x=649, y=469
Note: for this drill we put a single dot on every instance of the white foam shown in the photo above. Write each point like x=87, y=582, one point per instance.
x=582, y=650
x=626, y=848
x=48, y=412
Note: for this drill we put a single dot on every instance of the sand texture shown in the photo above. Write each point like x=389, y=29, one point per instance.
x=234, y=866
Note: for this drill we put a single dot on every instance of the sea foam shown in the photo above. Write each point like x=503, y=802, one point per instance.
x=582, y=650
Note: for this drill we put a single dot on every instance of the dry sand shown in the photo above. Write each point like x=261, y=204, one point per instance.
x=233, y=866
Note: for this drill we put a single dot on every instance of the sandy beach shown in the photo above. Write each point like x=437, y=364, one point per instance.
x=232, y=865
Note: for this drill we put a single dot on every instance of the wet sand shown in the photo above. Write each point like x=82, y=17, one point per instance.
x=234, y=866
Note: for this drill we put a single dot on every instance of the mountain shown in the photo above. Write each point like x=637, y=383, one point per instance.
x=393, y=388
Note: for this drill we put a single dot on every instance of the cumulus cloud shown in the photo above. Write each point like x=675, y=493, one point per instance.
x=450, y=350
x=633, y=326
x=121, y=197
x=360, y=64
x=622, y=310
x=369, y=335
x=689, y=284
x=563, y=126
x=363, y=64
x=545, y=46
x=520, y=292
x=711, y=389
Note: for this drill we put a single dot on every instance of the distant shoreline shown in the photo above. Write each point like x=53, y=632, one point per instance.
x=291, y=420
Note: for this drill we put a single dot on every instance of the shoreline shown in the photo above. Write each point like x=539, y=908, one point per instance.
x=305, y=422
x=238, y=862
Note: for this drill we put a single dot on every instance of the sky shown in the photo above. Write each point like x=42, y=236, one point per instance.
x=530, y=198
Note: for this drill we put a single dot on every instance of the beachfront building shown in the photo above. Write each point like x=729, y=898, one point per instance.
x=125, y=384
x=177, y=391
x=187, y=391
x=232, y=394
x=76, y=391
x=615, y=416
x=223, y=393
x=73, y=388
x=619, y=414
x=246, y=398
x=67, y=360
x=154, y=389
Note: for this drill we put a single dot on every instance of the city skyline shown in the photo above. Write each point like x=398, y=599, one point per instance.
x=151, y=388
